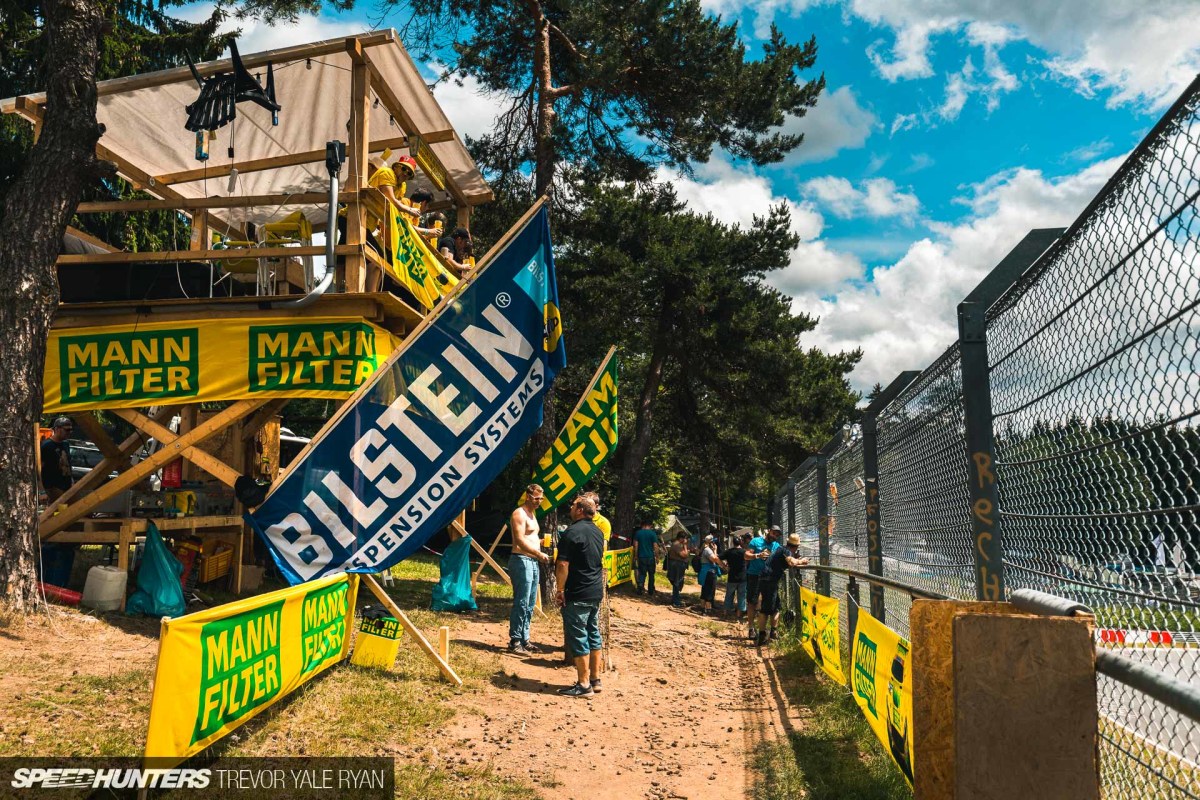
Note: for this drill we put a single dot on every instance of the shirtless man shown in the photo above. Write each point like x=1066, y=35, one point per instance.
x=523, y=569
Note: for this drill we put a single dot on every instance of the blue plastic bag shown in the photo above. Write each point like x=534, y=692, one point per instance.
x=159, y=592
x=453, y=590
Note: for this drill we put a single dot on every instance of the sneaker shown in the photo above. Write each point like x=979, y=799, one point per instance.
x=577, y=690
x=596, y=687
x=762, y=638
x=774, y=634
x=531, y=648
x=753, y=634
x=519, y=650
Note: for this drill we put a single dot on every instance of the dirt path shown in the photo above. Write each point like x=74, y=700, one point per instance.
x=681, y=711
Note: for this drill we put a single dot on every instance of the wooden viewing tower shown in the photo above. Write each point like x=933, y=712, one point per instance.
x=151, y=336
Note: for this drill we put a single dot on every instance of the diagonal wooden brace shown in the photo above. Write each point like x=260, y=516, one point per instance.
x=144, y=468
x=165, y=436
x=101, y=470
x=447, y=671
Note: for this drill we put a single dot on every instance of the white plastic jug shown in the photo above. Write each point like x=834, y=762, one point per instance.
x=105, y=588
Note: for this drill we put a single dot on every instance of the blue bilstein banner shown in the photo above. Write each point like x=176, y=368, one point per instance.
x=433, y=427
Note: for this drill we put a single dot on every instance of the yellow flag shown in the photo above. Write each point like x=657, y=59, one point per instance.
x=415, y=265
x=883, y=687
x=819, y=634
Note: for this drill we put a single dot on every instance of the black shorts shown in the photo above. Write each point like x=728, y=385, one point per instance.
x=768, y=602
x=752, y=588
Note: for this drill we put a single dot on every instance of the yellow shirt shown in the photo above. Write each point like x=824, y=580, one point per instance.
x=377, y=204
x=603, y=524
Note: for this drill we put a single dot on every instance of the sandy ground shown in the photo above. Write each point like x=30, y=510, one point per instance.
x=685, y=704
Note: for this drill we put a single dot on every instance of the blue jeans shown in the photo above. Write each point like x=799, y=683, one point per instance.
x=735, y=594
x=524, y=573
x=676, y=572
x=645, y=567
x=581, y=628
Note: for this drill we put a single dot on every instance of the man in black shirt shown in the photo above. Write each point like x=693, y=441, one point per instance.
x=56, y=460
x=456, y=249
x=735, y=586
x=581, y=579
x=777, y=567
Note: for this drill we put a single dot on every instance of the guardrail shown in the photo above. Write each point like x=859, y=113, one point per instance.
x=1054, y=446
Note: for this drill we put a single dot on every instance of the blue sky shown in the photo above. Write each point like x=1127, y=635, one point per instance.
x=947, y=130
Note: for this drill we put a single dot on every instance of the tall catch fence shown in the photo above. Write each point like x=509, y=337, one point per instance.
x=1054, y=446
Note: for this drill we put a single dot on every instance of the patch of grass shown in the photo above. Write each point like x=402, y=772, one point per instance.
x=83, y=715
x=834, y=754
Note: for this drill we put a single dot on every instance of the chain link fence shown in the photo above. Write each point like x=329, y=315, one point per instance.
x=1090, y=390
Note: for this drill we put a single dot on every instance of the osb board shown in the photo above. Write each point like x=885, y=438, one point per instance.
x=931, y=629
x=1025, y=708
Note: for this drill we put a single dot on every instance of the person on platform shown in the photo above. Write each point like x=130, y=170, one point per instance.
x=420, y=200
x=735, y=583
x=523, y=569
x=710, y=569
x=456, y=250
x=56, y=460
x=646, y=542
x=768, y=587
x=758, y=550
x=678, y=556
x=581, y=577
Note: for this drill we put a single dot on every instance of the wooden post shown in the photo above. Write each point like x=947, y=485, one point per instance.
x=356, y=157
x=464, y=217
x=444, y=643
x=125, y=538
x=411, y=629
x=492, y=549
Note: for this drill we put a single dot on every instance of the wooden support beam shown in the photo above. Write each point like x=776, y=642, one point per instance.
x=357, y=152
x=94, y=475
x=492, y=549
x=266, y=163
x=205, y=461
x=444, y=643
x=84, y=236
x=201, y=255
x=95, y=431
x=247, y=201
x=412, y=630
x=255, y=423
x=143, y=468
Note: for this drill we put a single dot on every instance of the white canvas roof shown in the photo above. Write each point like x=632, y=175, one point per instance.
x=144, y=119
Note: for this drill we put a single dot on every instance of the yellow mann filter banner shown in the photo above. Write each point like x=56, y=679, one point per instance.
x=414, y=265
x=882, y=687
x=129, y=366
x=618, y=564
x=586, y=441
x=819, y=635
x=219, y=668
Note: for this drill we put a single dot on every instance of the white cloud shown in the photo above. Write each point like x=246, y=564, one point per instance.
x=1143, y=53
x=903, y=122
x=471, y=109
x=878, y=198
x=958, y=88
x=837, y=123
x=905, y=316
x=737, y=196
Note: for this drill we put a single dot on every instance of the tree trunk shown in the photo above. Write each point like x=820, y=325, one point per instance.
x=635, y=454
x=543, y=181
x=38, y=207
x=705, y=504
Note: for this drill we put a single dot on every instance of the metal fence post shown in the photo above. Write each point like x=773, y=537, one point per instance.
x=822, y=490
x=874, y=529
x=852, y=607
x=788, y=523
x=870, y=444
x=987, y=544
